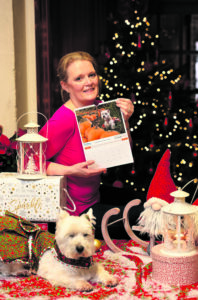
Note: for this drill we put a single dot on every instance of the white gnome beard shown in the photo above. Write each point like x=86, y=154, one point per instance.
x=151, y=222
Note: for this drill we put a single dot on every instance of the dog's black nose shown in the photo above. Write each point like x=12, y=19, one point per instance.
x=79, y=249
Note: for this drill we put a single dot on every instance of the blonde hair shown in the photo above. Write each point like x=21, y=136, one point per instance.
x=64, y=63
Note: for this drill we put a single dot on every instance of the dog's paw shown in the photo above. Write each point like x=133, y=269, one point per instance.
x=15, y=268
x=83, y=286
x=22, y=273
x=113, y=281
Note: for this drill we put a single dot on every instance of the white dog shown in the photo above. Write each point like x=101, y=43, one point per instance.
x=109, y=123
x=70, y=263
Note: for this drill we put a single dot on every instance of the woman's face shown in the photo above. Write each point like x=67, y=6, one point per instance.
x=82, y=83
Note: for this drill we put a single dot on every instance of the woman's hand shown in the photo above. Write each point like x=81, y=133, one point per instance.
x=82, y=170
x=79, y=170
x=126, y=107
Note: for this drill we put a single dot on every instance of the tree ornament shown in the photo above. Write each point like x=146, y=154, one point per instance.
x=118, y=184
x=170, y=99
x=165, y=122
x=97, y=244
x=139, y=41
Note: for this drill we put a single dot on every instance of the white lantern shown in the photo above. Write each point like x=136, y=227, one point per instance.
x=31, y=160
x=179, y=224
x=175, y=260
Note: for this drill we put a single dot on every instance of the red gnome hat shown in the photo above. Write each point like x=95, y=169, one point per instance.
x=162, y=183
x=195, y=202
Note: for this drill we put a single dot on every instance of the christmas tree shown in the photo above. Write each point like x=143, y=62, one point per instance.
x=164, y=117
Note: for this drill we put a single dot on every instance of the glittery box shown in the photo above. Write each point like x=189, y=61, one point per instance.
x=176, y=270
x=35, y=200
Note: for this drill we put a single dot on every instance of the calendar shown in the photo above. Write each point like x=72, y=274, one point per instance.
x=103, y=134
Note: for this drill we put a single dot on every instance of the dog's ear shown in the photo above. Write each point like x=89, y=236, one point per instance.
x=62, y=214
x=89, y=215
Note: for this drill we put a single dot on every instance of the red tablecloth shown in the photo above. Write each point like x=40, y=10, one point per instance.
x=134, y=273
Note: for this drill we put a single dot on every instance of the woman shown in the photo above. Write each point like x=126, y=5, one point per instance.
x=79, y=81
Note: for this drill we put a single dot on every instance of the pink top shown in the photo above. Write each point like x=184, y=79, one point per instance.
x=64, y=147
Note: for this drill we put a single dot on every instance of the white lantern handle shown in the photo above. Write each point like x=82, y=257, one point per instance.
x=33, y=112
x=195, y=180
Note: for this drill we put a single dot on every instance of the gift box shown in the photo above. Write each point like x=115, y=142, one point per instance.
x=174, y=269
x=35, y=200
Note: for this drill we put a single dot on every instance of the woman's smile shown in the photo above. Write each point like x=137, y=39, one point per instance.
x=89, y=90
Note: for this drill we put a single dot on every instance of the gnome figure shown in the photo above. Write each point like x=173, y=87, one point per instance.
x=158, y=195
